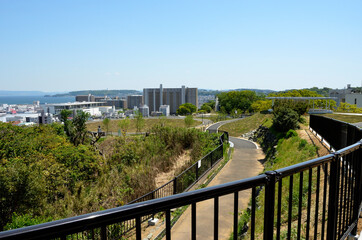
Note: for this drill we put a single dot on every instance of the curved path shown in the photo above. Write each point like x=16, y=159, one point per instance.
x=244, y=163
x=215, y=127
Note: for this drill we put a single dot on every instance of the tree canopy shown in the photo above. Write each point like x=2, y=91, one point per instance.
x=186, y=109
x=233, y=100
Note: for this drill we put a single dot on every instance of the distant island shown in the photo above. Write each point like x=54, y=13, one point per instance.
x=123, y=93
x=110, y=93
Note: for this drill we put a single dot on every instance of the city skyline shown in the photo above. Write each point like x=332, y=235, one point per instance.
x=69, y=46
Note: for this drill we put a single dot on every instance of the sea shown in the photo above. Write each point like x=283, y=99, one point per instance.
x=31, y=99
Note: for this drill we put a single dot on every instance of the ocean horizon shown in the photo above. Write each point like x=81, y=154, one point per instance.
x=31, y=99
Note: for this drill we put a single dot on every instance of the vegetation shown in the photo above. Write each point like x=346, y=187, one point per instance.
x=306, y=93
x=245, y=125
x=124, y=125
x=312, y=92
x=348, y=108
x=106, y=124
x=240, y=101
x=189, y=120
x=206, y=107
x=345, y=118
x=149, y=123
x=186, y=109
x=261, y=105
x=40, y=171
x=44, y=176
x=140, y=121
x=76, y=129
x=100, y=93
x=282, y=150
x=285, y=119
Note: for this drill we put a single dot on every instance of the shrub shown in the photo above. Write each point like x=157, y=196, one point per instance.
x=291, y=133
x=285, y=119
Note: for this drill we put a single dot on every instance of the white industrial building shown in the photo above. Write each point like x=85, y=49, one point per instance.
x=165, y=109
x=346, y=95
x=145, y=111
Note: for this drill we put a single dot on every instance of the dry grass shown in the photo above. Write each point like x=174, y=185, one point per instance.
x=149, y=123
x=345, y=118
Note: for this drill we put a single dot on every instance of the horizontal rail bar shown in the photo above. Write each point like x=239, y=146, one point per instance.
x=126, y=212
x=103, y=218
x=287, y=171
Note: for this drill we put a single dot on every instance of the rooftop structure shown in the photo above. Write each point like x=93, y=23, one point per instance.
x=56, y=108
x=346, y=95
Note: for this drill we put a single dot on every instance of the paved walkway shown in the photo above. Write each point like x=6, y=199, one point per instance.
x=244, y=163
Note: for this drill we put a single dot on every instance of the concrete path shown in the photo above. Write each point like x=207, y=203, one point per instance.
x=245, y=163
x=215, y=127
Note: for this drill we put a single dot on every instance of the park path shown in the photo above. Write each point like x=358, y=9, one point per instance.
x=245, y=163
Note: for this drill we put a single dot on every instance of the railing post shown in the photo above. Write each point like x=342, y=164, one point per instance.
x=269, y=204
x=175, y=185
x=333, y=198
x=358, y=186
x=212, y=158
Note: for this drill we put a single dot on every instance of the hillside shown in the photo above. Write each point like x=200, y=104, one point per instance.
x=118, y=93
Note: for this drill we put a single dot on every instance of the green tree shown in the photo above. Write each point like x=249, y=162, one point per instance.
x=261, y=105
x=206, y=107
x=140, y=121
x=80, y=128
x=21, y=189
x=186, y=109
x=300, y=107
x=64, y=117
x=124, y=125
x=237, y=100
x=285, y=119
x=76, y=130
x=106, y=123
x=189, y=120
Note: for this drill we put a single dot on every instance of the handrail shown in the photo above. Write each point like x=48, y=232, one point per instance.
x=183, y=172
x=126, y=212
x=92, y=220
x=342, y=172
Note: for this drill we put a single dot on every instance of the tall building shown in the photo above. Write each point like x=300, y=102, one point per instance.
x=134, y=100
x=144, y=110
x=174, y=97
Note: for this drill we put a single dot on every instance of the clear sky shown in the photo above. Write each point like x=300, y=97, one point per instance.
x=70, y=45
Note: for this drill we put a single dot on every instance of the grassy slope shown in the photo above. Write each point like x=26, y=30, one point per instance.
x=149, y=123
x=345, y=118
x=245, y=125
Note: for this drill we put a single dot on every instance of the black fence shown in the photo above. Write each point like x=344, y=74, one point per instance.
x=318, y=199
x=337, y=133
x=180, y=183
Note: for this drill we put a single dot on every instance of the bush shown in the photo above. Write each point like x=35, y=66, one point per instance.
x=285, y=119
x=291, y=133
x=186, y=109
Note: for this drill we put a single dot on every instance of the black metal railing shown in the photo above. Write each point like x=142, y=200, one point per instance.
x=337, y=133
x=183, y=182
x=317, y=199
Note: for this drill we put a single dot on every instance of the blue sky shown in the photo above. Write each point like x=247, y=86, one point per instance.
x=75, y=45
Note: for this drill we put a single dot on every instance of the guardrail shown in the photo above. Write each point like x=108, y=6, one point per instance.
x=183, y=182
x=324, y=204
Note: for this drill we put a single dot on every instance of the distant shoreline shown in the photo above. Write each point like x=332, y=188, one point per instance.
x=31, y=99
